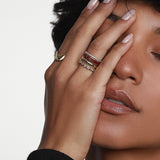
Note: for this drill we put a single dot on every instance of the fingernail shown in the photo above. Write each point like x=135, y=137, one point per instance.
x=129, y=14
x=91, y=4
x=127, y=38
x=106, y=1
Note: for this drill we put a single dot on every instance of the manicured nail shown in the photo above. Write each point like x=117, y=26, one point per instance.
x=91, y=4
x=106, y=1
x=129, y=14
x=127, y=38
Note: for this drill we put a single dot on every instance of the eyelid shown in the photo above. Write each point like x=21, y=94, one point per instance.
x=157, y=55
x=113, y=17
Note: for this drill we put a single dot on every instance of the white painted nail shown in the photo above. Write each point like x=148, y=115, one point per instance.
x=129, y=14
x=91, y=4
x=127, y=38
x=106, y=1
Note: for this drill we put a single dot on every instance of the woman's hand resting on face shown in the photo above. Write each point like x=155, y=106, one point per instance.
x=73, y=93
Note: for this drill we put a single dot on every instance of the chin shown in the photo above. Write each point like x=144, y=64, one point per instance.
x=108, y=135
x=111, y=142
x=117, y=136
x=114, y=133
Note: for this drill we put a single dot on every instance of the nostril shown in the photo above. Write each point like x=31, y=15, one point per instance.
x=113, y=74
x=132, y=77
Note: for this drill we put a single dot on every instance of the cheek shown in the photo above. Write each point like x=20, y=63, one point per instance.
x=140, y=130
x=149, y=97
x=150, y=102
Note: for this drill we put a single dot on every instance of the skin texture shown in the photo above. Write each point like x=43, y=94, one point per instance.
x=135, y=135
x=73, y=97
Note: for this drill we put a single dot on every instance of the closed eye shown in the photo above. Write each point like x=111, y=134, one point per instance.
x=156, y=55
x=113, y=17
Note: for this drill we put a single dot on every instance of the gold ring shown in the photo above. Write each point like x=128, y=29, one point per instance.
x=86, y=65
x=88, y=62
x=59, y=57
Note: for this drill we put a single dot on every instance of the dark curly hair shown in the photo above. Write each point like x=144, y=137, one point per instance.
x=67, y=12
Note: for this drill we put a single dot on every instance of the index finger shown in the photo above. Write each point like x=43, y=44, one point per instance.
x=86, y=32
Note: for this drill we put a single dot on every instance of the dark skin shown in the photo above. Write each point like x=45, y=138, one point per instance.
x=74, y=118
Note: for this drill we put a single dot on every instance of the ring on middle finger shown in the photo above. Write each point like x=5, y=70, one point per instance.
x=92, y=59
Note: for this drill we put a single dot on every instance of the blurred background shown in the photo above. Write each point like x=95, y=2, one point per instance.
x=26, y=50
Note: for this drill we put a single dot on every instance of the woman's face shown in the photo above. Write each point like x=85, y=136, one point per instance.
x=138, y=74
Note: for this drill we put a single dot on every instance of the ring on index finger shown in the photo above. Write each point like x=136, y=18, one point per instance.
x=89, y=61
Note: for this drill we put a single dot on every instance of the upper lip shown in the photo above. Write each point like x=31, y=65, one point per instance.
x=122, y=96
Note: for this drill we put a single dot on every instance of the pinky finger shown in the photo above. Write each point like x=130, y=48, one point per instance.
x=105, y=69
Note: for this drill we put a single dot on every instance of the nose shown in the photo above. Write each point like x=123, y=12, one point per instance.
x=129, y=67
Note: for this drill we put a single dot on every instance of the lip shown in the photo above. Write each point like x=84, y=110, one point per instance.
x=118, y=109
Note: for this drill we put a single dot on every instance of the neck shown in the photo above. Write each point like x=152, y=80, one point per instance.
x=97, y=153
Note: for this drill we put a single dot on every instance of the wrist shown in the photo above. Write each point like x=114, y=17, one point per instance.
x=70, y=150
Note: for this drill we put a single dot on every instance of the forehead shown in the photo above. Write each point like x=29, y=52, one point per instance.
x=124, y=5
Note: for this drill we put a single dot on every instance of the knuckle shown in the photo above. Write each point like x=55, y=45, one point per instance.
x=116, y=48
x=84, y=15
x=49, y=71
x=70, y=34
x=99, y=12
x=58, y=76
x=47, y=74
x=79, y=32
x=107, y=62
x=83, y=30
x=103, y=64
x=95, y=46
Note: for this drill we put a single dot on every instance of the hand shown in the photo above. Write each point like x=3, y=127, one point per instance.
x=74, y=94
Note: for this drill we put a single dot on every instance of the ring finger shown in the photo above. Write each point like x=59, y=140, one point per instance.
x=69, y=37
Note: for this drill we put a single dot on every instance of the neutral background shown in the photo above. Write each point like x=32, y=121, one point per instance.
x=26, y=50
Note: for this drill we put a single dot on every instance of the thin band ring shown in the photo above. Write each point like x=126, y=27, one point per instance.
x=89, y=61
x=87, y=53
x=59, y=57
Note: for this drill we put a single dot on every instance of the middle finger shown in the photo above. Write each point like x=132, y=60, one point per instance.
x=85, y=34
x=99, y=47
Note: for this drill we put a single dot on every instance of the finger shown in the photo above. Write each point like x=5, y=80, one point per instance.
x=99, y=47
x=105, y=69
x=82, y=18
x=69, y=37
x=85, y=33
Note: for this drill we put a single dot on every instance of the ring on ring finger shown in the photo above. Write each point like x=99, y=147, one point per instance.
x=89, y=61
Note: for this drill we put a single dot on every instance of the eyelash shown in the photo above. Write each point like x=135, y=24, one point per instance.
x=156, y=55
x=113, y=17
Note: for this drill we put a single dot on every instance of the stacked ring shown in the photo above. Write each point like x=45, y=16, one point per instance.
x=89, y=61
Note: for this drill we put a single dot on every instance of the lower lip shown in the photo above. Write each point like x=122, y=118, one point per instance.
x=114, y=108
